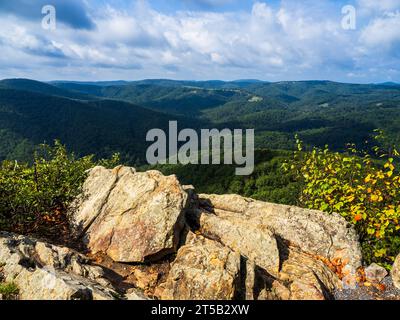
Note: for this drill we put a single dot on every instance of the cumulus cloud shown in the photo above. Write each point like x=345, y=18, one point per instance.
x=288, y=41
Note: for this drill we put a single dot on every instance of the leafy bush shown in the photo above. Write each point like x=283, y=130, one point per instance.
x=364, y=190
x=34, y=198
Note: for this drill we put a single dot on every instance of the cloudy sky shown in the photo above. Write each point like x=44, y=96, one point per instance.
x=201, y=39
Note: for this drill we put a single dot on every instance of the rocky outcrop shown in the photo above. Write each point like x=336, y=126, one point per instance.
x=45, y=272
x=236, y=247
x=130, y=216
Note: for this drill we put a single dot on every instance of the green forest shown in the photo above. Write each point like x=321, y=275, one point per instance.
x=51, y=133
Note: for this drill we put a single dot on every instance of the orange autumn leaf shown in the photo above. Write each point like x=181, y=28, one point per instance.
x=358, y=217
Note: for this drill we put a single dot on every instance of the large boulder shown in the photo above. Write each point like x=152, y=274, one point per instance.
x=42, y=271
x=203, y=270
x=130, y=216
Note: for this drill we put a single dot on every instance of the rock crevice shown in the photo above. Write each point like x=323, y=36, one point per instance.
x=164, y=239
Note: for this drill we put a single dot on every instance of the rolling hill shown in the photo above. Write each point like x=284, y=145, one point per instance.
x=320, y=111
x=99, y=127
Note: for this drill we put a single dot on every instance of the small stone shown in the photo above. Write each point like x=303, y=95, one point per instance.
x=135, y=295
x=349, y=279
x=375, y=273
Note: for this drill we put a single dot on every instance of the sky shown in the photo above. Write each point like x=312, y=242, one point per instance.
x=271, y=40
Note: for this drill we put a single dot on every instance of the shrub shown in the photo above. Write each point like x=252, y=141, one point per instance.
x=364, y=190
x=9, y=291
x=34, y=197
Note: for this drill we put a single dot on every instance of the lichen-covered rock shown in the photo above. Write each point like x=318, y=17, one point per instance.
x=130, y=216
x=45, y=272
x=314, y=232
x=203, y=270
x=395, y=273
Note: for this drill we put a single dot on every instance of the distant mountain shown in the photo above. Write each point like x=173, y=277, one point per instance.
x=178, y=98
x=389, y=84
x=40, y=87
x=99, y=118
x=95, y=83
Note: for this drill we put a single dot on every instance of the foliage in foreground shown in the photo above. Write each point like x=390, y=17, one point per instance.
x=9, y=290
x=363, y=190
x=34, y=197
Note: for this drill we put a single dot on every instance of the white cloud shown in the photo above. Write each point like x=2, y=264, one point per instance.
x=382, y=32
x=378, y=5
x=274, y=43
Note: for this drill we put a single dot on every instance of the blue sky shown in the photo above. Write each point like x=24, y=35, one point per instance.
x=201, y=39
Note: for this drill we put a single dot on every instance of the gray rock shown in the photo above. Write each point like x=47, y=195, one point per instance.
x=45, y=272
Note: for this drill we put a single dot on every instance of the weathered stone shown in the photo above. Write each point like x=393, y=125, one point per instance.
x=395, y=273
x=375, y=273
x=204, y=270
x=253, y=241
x=309, y=277
x=314, y=232
x=45, y=272
x=96, y=190
x=131, y=216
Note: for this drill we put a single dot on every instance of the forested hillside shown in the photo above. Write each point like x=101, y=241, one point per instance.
x=100, y=127
x=320, y=111
x=107, y=117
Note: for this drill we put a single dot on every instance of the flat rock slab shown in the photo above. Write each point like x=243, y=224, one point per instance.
x=314, y=232
x=130, y=216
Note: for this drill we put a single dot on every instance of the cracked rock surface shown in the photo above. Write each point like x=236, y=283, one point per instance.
x=45, y=272
x=157, y=239
x=130, y=216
